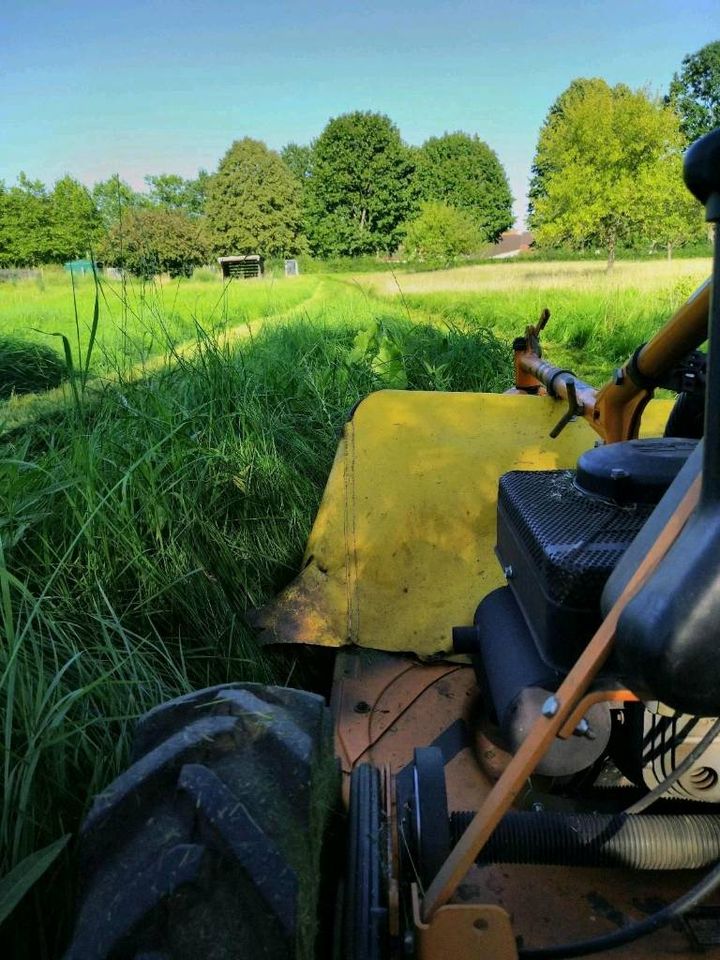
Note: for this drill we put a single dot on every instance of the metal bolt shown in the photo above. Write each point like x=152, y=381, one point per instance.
x=583, y=729
x=550, y=707
x=538, y=807
x=509, y=572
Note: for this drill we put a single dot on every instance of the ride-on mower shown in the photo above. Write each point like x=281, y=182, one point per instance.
x=529, y=744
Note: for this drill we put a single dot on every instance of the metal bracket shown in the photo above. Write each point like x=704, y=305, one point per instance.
x=463, y=930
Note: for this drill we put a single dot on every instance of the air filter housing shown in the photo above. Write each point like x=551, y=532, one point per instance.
x=558, y=546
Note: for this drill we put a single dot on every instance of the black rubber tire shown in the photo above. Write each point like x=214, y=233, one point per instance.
x=365, y=904
x=430, y=815
x=208, y=846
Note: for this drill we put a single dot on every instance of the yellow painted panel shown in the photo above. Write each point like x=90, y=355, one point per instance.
x=403, y=545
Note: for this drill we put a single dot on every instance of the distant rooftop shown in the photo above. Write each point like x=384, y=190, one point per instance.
x=510, y=244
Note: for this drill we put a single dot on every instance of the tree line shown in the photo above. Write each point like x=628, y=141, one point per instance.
x=351, y=192
x=606, y=173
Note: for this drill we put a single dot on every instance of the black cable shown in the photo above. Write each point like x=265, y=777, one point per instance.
x=644, y=802
x=633, y=931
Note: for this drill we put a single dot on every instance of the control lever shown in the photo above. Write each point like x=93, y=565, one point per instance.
x=532, y=333
x=575, y=408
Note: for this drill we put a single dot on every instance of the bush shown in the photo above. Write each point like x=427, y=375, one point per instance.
x=440, y=234
x=27, y=367
x=154, y=240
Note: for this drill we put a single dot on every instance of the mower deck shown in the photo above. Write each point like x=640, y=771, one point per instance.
x=383, y=705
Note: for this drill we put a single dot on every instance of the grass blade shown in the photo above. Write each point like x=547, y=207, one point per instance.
x=16, y=884
x=93, y=328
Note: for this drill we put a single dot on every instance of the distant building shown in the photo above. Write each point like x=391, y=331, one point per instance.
x=245, y=267
x=510, y=244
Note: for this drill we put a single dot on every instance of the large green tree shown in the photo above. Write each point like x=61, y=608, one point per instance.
x=153, y=240
x=674, y=217
x=608, y=155
x=74, y=221
x=114, y=199
x=173, y=192
x=298, y=158
x=542, y=167
x=253, y=203
x=462, y=171
x=695, y=92
x=25, y=224
x=360, y=188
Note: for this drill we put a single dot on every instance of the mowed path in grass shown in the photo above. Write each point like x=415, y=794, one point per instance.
x=597, y=318
x=139, y=320
x=143, y=327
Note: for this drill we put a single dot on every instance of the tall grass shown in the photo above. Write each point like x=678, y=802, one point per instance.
x=138, y=527
x=526, y=274
x=26, y=367
x=592, y=330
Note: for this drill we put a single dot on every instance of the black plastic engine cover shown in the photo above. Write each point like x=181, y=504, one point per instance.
x=558, y=547
x=636, y=471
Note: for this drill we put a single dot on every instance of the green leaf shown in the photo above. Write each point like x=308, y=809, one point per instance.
x=364, y=343
x=14, y=885
x=388, y=364
x=67, y=349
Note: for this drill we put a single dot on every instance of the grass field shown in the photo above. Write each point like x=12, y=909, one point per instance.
x=514, y=275
x=139, y=319
x=142, y=517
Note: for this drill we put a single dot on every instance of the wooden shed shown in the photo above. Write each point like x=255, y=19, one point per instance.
x=250, y=265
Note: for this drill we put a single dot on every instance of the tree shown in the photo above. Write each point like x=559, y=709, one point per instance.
x=153, y=240
x=595, y=153
x=173, y=192
x=440, y=233
x=25, y=224
x=462, y=171
x=196, y=193
x=695, y=92
x=541, y=168
x=74, y=220
x=676, y=216
x=253, y=203
x=360, y=188
x=166, y=190
x=298, y=159
x=114, y=198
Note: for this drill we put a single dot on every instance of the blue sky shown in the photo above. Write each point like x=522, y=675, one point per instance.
x=166, y=85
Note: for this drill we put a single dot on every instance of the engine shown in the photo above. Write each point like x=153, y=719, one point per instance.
x=560, y=534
